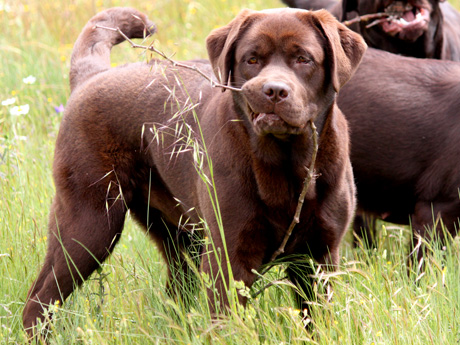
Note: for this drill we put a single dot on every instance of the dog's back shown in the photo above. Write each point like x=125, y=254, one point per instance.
x=333, y=6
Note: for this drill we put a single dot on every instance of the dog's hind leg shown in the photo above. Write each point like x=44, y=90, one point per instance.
x=80, y=236
x=180, y=245
x=432, y=221
x=182, y=252
x=364, y=230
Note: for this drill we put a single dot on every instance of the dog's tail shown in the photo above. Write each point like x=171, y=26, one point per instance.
x=91, y=52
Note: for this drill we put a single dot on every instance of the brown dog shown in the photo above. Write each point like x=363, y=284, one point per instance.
x=130, y=140
x=418, y=28
x=405, y=125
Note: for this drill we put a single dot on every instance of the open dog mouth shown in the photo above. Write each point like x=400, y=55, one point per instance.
x=271, y=123
x=406, y=21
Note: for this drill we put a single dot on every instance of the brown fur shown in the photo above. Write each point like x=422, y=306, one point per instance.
x=118, y=146
x=405, y=125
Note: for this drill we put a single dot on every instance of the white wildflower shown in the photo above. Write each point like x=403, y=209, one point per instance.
x=29, y=80
x=9, y=101
x=20, y=110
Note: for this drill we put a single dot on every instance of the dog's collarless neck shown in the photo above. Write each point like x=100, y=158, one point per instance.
x=320, y=121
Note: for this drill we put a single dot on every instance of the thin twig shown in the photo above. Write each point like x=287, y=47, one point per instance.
x=173, y=62
x=296, y=219
x=306, y=185
x=366, y=18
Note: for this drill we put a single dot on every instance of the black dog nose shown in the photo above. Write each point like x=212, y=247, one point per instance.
x=276, y=91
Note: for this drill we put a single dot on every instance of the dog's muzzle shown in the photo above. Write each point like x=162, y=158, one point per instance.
x=268, y=106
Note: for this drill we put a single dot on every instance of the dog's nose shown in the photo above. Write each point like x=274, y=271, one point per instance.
x=276, y=91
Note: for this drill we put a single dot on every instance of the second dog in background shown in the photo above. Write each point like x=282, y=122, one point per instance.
x=404, y=117
x=419, y=28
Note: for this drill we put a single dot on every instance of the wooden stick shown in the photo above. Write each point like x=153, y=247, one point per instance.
x=173, y=62
x=301, y=200
x=296, y=219
x=366, y=18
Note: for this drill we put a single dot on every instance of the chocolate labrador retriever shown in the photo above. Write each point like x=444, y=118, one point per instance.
x=418, y=28
x=405, y=127
x=130, y=140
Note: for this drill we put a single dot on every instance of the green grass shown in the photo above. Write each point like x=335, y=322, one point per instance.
x=373, y=302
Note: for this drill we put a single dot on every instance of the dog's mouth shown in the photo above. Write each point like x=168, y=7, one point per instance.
x=406, y=21
x=272, y=123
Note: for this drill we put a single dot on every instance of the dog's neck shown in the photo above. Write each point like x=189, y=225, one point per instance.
x=281, y=165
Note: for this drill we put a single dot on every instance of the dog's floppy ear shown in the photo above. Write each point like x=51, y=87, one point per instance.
x=221, y=44
x=344, y=48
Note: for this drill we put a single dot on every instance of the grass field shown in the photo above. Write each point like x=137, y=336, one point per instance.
x=374, y=301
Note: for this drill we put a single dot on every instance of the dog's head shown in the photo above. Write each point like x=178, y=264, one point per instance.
x=407, y=19
x=289, y=63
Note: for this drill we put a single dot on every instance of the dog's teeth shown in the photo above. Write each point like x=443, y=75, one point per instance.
x=403, y=21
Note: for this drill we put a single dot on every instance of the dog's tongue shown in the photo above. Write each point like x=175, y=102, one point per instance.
x=269, y=123
x=269, y=118
x=391, y=27
x=409, y=16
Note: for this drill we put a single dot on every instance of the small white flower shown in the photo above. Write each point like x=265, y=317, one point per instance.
x=9, y=101
x=20, y=110
x=29, y=80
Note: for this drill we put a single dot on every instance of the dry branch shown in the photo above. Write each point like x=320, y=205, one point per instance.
x=173, y=62
x=306, y=184
x=296, y=218
x=366, y=18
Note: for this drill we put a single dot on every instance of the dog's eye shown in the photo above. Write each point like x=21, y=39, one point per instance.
x=302, y=59
x=252, y=60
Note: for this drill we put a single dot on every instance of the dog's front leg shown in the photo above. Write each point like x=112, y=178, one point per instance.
x=245, y=249
x=306, y=276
